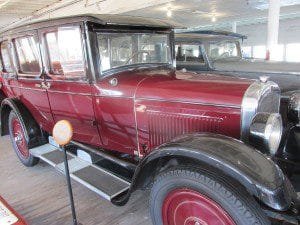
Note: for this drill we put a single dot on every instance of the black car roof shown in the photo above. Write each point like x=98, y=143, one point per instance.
x=208, y=35
x=103, y=19
x=213, y=32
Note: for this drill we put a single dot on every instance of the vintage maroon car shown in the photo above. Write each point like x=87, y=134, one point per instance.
x=202, y=144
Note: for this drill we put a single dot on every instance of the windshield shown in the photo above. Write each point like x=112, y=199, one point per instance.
x=223, y=50
x=189, y=53
x=123, y=49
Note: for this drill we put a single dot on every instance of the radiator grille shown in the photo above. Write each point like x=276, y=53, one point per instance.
x=165, y=126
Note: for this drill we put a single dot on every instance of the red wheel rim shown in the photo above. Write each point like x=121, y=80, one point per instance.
x=19, y=138
x=188, y=207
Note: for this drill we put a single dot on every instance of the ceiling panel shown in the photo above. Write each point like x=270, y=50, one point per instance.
x=204, y=13
x=13, y=10
x=191, y=13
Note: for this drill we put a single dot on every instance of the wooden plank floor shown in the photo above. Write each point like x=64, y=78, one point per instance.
x=40, y=195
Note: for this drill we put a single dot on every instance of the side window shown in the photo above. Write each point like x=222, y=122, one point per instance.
x=5, y=56
x=28, y=55
x=65, y=53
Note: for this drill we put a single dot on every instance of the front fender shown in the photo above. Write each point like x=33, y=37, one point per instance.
x=291, y=143
x=258, y=174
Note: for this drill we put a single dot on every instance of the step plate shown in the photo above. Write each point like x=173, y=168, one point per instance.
x=93, y=177
x=55, y=157
x=101, y=180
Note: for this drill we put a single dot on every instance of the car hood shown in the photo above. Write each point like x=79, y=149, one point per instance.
x=194, y=88
x=256, y=65
x=286, y=75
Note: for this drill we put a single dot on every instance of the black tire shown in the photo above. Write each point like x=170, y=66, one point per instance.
x=28, y=160
x=233, y=199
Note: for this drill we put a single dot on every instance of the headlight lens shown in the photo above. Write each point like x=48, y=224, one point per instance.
x=266, y=131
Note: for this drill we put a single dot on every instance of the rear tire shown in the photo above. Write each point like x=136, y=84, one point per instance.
x=190, y=196
x=19, y=142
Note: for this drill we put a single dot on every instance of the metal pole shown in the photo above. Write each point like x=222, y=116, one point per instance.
x=69, y=186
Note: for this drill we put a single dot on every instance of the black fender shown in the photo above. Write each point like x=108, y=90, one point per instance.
x=33, y=134
x=291, y=144
x=2, y=96
x=259, y=175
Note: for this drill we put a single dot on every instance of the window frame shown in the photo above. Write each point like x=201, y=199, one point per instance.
x=107, y=73
x=46, y=54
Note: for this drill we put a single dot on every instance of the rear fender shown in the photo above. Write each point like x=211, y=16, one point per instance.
x=259, y=175
x=32, y=131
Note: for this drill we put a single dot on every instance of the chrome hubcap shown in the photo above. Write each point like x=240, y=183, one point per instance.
x=18, y=138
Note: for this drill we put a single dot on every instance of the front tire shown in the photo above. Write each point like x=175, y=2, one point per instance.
x=184, y=196
x=19, y=142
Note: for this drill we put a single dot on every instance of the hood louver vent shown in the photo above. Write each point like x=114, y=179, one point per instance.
x=163, y=127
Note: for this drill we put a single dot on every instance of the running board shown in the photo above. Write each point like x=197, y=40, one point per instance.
x=97, y=179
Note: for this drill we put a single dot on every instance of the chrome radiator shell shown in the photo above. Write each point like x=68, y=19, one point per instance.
x=259, y=97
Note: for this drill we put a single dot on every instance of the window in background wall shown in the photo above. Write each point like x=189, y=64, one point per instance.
x=292, y=52
x=259, y=51
x=277, y=53
x=247, y=51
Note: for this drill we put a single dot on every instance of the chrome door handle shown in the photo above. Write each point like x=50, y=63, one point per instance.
x=45, y=85
x=113, y=82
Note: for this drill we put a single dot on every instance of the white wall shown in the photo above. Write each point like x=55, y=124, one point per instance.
x=289, y=32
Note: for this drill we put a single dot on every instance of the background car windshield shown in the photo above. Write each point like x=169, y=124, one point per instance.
x=223, y=50
x=189, y=53
x=121, y=49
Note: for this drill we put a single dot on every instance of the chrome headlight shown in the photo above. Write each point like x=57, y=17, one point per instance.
x=266, y=131
x=294, y=108
x=261, y=97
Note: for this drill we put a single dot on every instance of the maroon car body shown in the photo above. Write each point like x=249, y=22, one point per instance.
x=141, y=108
x=212, y=104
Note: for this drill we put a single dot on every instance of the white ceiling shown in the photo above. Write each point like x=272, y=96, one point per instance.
x=190, y=13
x=16, y=12
x=200, y=13
x=13, y=10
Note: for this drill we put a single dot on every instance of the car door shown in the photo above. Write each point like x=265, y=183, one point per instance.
x=115, y=90
x=33, y=93
x=69, y=89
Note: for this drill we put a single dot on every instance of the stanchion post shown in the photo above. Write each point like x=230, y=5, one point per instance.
x=62, y=134
x=70, y=191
